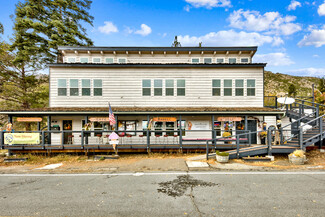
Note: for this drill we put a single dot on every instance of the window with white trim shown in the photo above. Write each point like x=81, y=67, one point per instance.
x=216, y=87
x=251, y=87
x=96, y=60
x=207, y=60
x=109, y=60
x=227, y=87
x=74, y=87
x=220, y=60
x=84, y=59
x=232, y=60
x=195, y=60
x=169, y=87
x=98, y=87
x=244, y=60
x=71, y=59
x=146, y=87
x=181, y=87
x=85, y=87
x=122, y=60
x=239, y=85
x=62, y=87
x=157, y=87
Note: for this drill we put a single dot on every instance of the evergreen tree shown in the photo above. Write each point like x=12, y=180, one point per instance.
x=321, y=85
x=176, y=43
x=1, y=28
x=43, y=25
x=292, y=91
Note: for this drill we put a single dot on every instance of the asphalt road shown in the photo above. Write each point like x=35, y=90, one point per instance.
x=165, y=194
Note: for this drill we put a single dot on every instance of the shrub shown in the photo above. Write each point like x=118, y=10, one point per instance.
x=298, y=153
x=222, y=153
x=226, y=134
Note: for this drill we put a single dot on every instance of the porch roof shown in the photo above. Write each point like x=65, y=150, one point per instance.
x=144, y=111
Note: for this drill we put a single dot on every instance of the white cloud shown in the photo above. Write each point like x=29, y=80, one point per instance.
x=209, y=3
x=187, y=8
x=144, y=31
x=229, y=38
x=293, y=5
x=108, y=28
x=315, y=38
x=274, y=59
x=321, y=9
x=316, y=56
x=315, y=72
x=270, y=22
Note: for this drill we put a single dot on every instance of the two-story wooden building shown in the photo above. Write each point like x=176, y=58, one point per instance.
x=184, y=94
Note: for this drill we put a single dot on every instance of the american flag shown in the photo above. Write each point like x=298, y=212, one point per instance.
x=111, y=117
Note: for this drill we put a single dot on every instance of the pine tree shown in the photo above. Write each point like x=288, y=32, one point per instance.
x=176, y=43
x=43, y=25
x=1, y=28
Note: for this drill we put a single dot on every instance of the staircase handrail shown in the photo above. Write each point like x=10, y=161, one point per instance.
x=315, y=119
x=320, y=134
x=314, y=103
x=281, y=128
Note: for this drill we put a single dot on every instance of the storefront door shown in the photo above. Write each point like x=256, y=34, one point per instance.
x=251, y=125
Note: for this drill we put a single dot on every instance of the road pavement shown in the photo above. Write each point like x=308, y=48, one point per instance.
x=164, y=194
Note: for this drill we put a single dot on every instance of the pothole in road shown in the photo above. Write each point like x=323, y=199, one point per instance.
x=178, y=187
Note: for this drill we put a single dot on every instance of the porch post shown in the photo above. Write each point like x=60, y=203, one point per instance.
x=180, y=134
x=49, y=129
x=38, y=126
x=10, y=119
x=246, y=129
x=86, y=121
x=148, y=134
x=213, y=131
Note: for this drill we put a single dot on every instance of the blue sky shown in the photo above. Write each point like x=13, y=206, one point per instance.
x=290, y=34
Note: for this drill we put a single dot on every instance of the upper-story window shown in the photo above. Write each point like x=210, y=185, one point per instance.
x=207, y=60
x=74, y=87
x=146, y=87
x=251, y=87
x=220, y=60
x=98, y=87
x=85, y=84
x=122, y=60
x=195, y=60
x=216, y=87
x=62, y=87
x=109, y=60
x=244, y=60
x=239, y=87
x=157, y=87
x=71, y=59
x=232, y=60
x=181, y=87
x=169, y=87
x=84, y=59
x=96, y=60
x=227, y=84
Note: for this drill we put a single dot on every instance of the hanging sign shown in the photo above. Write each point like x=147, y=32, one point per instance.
x=164, y=119
x=21, y=138
x=99, y=119
x=29, y=119
x=198, y=125
x=229, y=119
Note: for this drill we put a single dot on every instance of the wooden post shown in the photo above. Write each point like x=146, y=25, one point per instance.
x=246, y=129
x=148, y=134
x=86, y=122
x=82, y=139
x=213, y=132
x=43, y=139
x=237, y=146
x=49, y=129
x=180, y=134
x=269, y=142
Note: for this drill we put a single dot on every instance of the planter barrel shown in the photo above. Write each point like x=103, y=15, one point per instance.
x=297, y=160
x=222, y=159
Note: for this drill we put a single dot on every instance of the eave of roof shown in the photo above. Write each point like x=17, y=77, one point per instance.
x=84, y=48
x=158, y=65
x=145, y=111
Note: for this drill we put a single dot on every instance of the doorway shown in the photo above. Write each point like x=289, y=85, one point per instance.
x=252, y=126
x=67, y=125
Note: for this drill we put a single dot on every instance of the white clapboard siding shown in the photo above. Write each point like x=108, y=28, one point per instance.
x=123, y=87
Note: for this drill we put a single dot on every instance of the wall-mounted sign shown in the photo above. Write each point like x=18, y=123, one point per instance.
x=21, y=138
x=198, y=125
x=99, y=119
x=36, y=119
x=229, y=119
x=165, y=119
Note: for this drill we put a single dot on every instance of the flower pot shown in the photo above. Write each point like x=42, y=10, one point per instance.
x=222, y=159
x=297, y=160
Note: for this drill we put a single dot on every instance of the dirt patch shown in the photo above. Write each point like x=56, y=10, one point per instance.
x=178, y=187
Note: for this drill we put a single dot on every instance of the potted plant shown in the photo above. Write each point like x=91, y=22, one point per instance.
x=263, y=135
x=222, y=157
x=226, y=136
x=298, y=157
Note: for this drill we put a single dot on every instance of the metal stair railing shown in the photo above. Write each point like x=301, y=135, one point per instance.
x=319, y=121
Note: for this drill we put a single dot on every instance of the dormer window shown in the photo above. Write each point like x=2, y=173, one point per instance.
x=232, y=60
x=84, y=59
x=195, y=60
x=96, y=60
x=208, y=60
x=122, y=60
x=244, y=60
